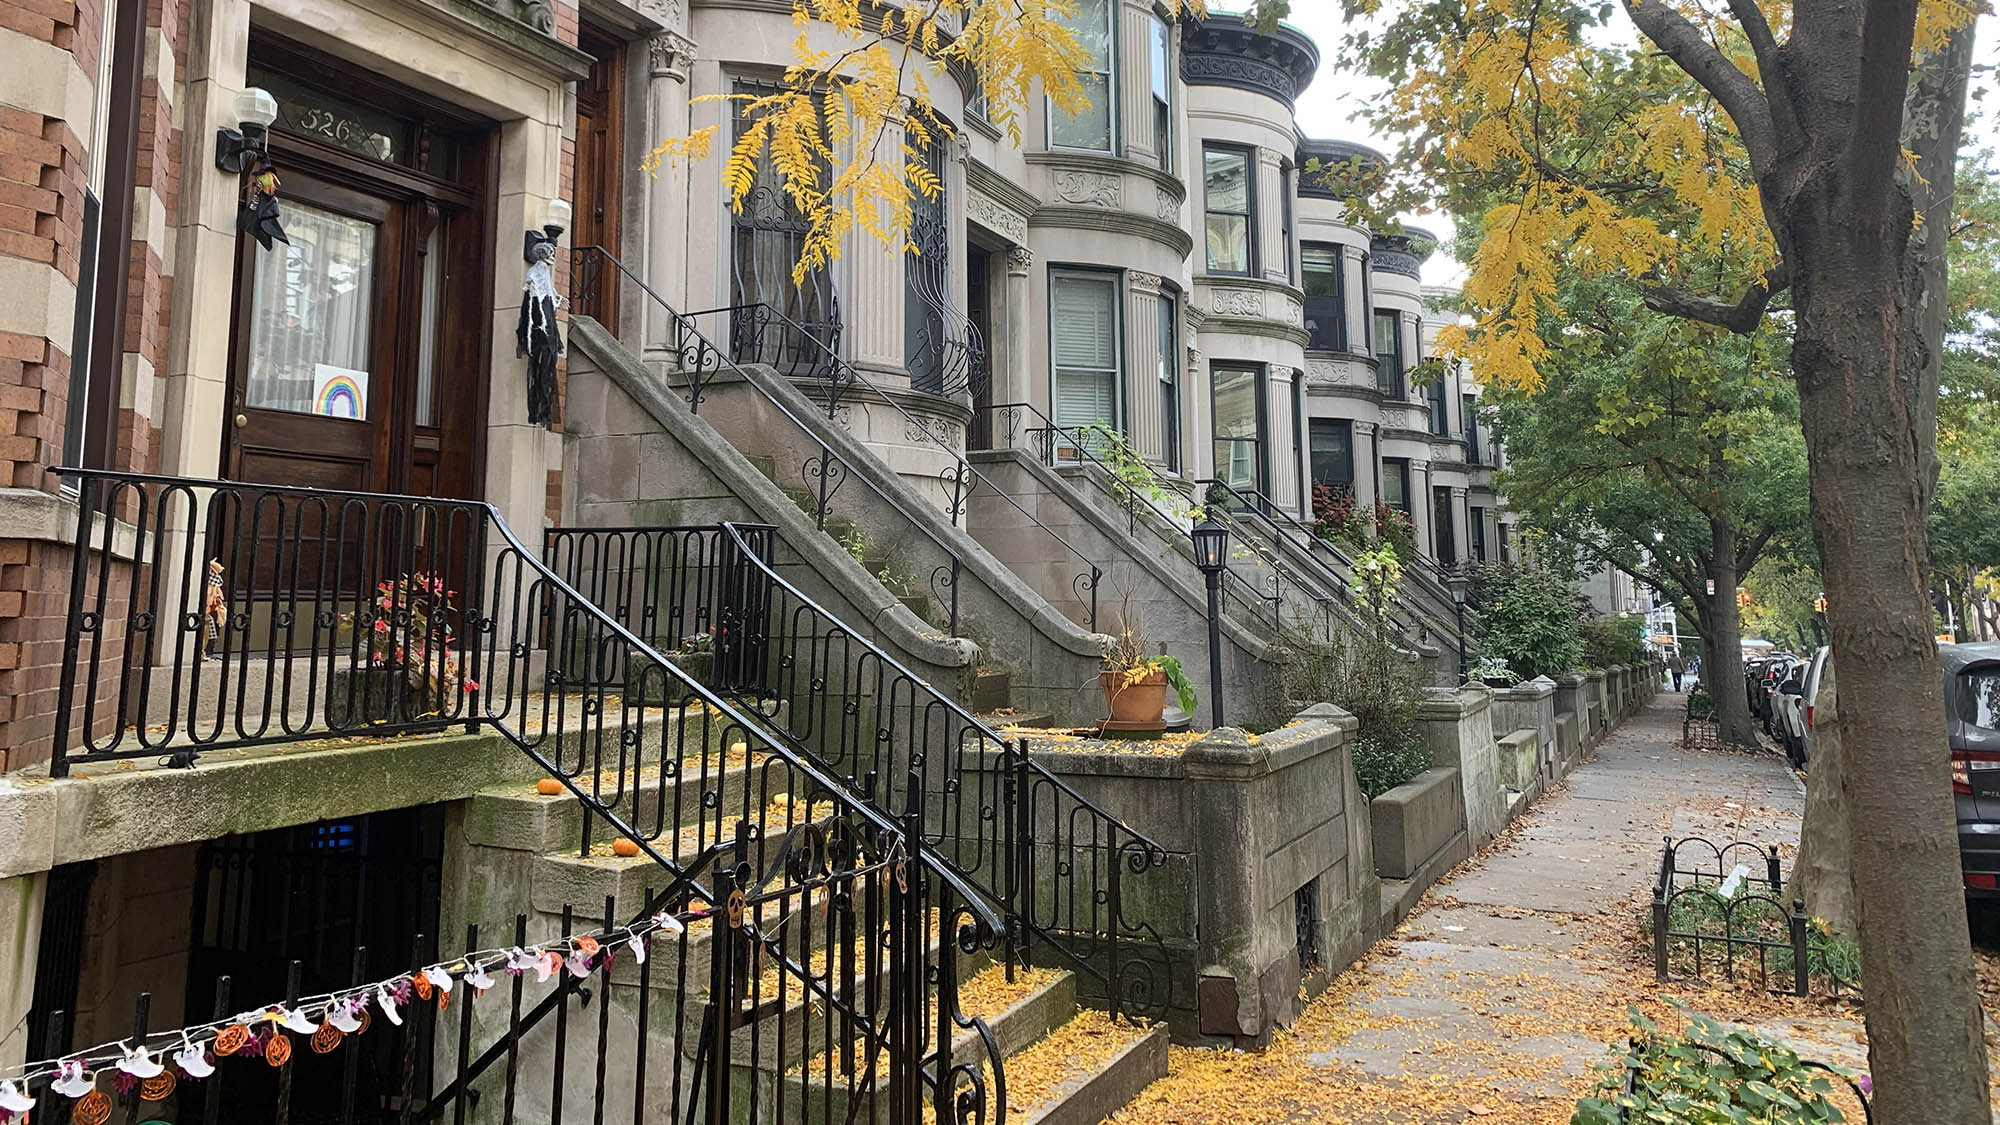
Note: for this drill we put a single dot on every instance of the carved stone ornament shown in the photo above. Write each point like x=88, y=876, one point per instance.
x=1295, y=311
x=1166, y=207
x=666, y=12
x=1364, y=427
x=670, y=52
x=1236, y=302
x=996, y=216
x=1090, y=189
x=1144, y=282
x=1020, y=259
x=1321, y=372
x=538, y=14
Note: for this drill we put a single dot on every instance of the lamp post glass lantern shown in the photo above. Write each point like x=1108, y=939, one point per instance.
x=1211, y=554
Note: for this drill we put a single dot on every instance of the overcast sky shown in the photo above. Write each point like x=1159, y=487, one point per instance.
x=1332, y=107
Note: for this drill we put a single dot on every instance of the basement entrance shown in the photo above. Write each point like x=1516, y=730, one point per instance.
x=349, y=900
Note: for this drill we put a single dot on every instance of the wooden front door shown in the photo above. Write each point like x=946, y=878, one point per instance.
x=600, y=154
x=359, y=347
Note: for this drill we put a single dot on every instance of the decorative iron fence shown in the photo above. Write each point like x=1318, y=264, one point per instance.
x=333, y=614
x=812, y=358
x=1021, y=836
x=1719, y=908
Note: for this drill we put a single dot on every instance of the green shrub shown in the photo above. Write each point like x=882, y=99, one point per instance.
x=1386, y=759
x=1613, y=640
x=1528, y=618
x=1711, y=1074
x=1701, y=706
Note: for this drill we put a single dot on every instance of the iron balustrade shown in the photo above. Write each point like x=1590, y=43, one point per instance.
x=345, y=614
x=1054, y=862
x=832, y=380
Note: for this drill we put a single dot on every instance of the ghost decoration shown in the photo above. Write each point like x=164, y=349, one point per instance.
x=139, y=1064
x=341, y=1014
x=13, y=1101
x=192, y=1059
x=72, y=1081
x=535, y=335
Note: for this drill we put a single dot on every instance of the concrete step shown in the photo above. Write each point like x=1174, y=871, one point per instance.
x=992, y=689
x=1084, y=1071
x=1008, y=717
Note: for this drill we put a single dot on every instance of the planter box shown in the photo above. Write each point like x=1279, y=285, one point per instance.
x=1415, y=821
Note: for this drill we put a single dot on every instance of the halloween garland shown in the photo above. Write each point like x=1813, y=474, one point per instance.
x=262, y=1032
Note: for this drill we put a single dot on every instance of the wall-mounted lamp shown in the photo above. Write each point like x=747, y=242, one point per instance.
x=555, y=220
x=236, y=148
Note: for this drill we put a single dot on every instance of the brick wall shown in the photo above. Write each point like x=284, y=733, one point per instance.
x=44, y=170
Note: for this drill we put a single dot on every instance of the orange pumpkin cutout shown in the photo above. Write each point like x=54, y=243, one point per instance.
x=326, y=1038
x=624, y=847
x=587, y=945
x=367, y=1021
x=156, y=1088
x=278, y=1051
x=548, y=787
x=230, y=1039
x=93, y=1108
x=423, y=986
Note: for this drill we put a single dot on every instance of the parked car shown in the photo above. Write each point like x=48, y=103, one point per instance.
x=1972, y=730
x=1770, y=673
x=1794, y=705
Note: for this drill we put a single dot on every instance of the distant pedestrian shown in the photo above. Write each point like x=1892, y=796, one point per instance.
x=1675, y=668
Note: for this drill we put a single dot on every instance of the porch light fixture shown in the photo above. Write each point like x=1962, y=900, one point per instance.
x=237, y=149
x=1211, y=554
x=555, y=220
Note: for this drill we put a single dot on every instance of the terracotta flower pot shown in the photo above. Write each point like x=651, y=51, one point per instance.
x=1143, y=703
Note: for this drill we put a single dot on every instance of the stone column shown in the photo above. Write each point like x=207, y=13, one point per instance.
x=669, y=55
x=1281, y=451
x=871, y=301
x=1461, y=525
x=1420, y=507
x=1367, y=464
x=1353, y=288
x=1010, y=368
x=20, y=952
x=1142, y=365
x=1271, y=252
x=1197, y=398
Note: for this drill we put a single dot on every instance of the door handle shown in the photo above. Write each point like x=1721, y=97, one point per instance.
x=242, y=420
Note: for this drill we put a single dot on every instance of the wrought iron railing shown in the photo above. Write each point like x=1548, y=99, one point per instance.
x=209, y=614
x=1719, y=909
x=1053, y=861
x=812, y=359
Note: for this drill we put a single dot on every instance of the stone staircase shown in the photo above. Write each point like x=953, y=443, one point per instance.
x=1062, y=1063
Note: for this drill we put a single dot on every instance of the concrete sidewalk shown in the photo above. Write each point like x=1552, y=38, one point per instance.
x=1502, y=991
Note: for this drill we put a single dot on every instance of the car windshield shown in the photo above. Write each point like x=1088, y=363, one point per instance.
x=1978, y=701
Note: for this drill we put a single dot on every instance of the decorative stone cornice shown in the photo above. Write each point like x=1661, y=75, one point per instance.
x=995, y=216
x=1223, y=50
x=517, y=30
x=1122, y=222
x=1334, y=154
x=1109, y=166
x=1404, y=252
x=1143, y=282
x=999, y=188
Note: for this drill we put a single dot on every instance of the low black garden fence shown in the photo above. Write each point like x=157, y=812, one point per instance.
x=1700, y=725
x=1719, y=910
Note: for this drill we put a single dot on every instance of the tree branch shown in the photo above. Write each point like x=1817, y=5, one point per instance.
x=1738, y=93
x=1742, y=318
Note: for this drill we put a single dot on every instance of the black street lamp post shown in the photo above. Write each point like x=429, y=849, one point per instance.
x=1211, y=554
x=1461, y=587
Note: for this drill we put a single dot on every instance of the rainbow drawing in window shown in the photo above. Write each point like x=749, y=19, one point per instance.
x=340, y=392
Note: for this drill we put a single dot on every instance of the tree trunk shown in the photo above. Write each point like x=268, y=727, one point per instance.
x=1732, y=708
x=1822, y=874
x=1868, y=379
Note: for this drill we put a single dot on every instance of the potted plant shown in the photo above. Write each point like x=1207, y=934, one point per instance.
x=1493, y=672
x=1135, y=684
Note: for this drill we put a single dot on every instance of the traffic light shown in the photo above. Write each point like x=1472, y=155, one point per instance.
x=1819, y=604
x=1742, y=598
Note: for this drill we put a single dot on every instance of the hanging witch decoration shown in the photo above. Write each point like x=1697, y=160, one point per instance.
x=259, y=214
x=535, y=336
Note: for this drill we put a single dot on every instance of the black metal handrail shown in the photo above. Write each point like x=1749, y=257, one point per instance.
x=959, y=481
x=823, y=475
x=1168, y=527
x=1020, y=835
x=334, y=614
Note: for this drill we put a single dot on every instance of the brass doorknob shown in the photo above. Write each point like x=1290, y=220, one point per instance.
x=242, y=420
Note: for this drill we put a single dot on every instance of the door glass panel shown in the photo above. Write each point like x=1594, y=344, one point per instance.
x=311, y=310
x=427, y=329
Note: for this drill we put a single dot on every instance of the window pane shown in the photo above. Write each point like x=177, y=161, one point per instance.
x=1322, y=270
x=1162, y=46
x=1089, y=127
x=1333, y=455
x=1228, y=244
x=1395, y=481
x=1235, y=402
x=311, y=310
x=1170, y=404
x=1979, y=699
x=1085, y=319
x=1092, y=27
x=1227, y=175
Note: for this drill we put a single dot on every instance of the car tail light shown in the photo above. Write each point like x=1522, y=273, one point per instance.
x=1963, y=762
x=1983, y=882
x=1809, y=725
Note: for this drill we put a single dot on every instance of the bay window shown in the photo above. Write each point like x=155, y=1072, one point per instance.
x=1083, y=308
x=1228, y=193
x=1389, y=354
x=1090, y=128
